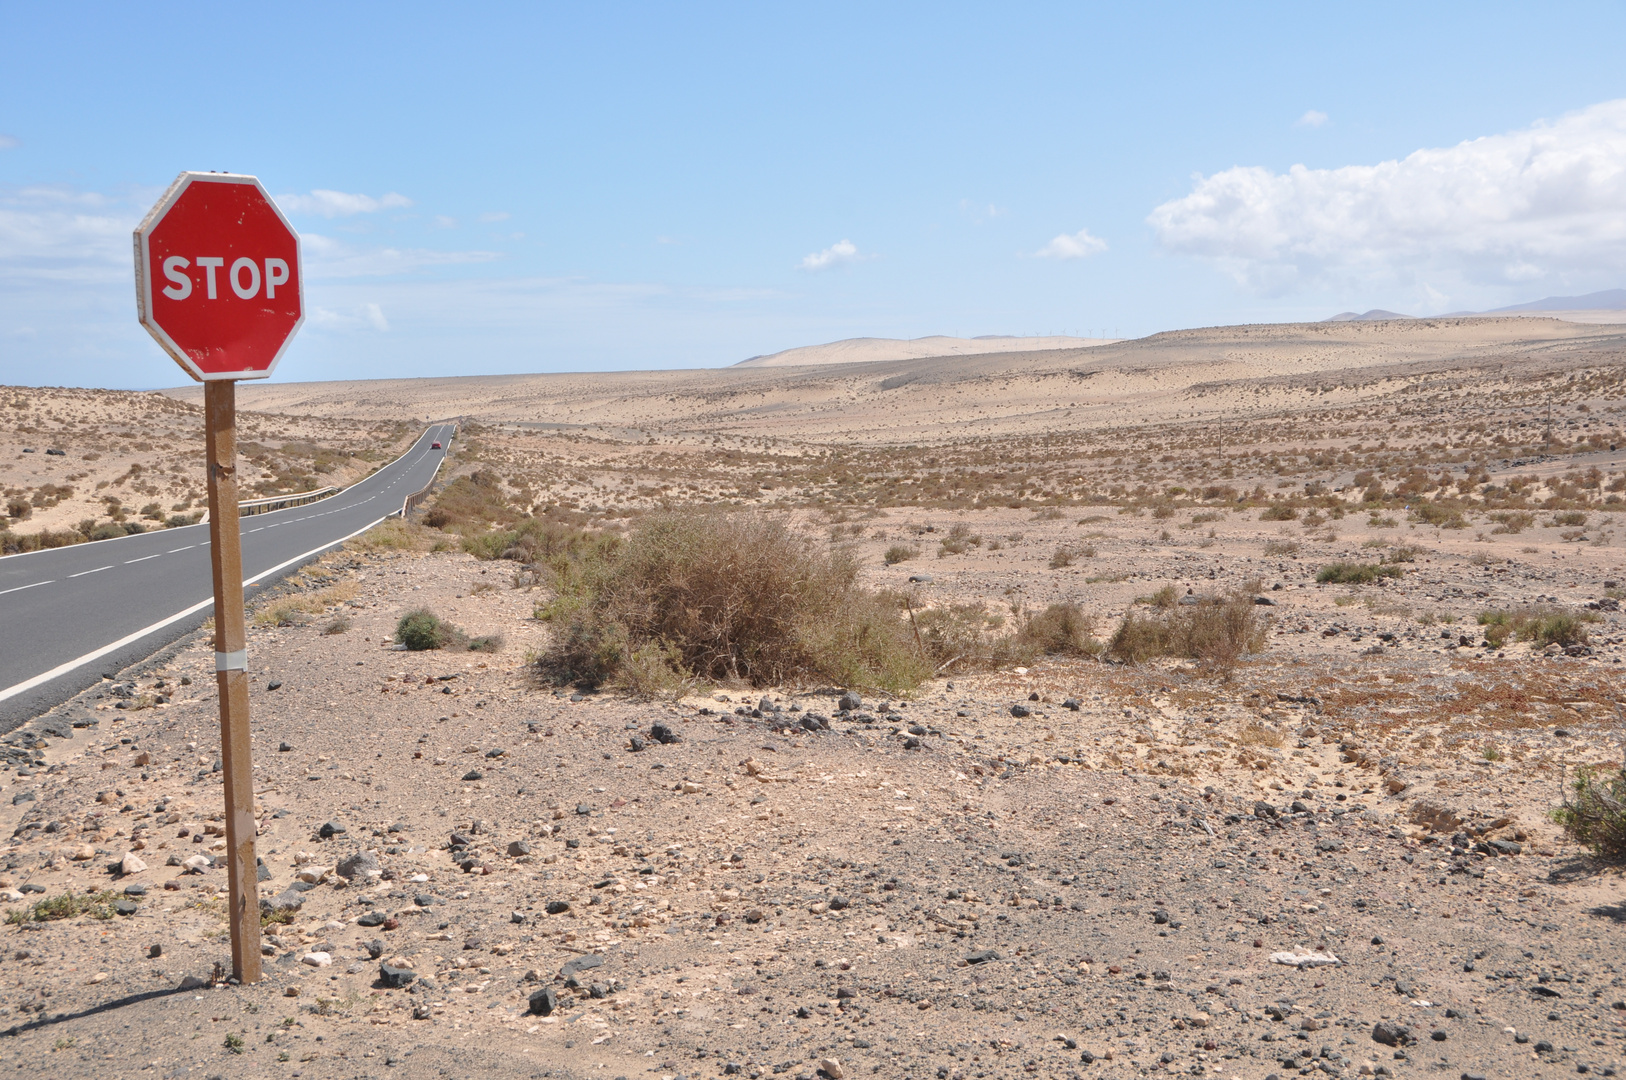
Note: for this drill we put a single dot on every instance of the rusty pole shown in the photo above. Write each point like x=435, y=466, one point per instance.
x=231, y=676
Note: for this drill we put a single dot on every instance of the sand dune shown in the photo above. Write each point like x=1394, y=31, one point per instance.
x=874, y=350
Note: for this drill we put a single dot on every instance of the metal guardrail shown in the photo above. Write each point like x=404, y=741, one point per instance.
x=250, y=507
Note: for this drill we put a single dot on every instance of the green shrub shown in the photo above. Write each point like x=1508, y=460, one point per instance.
x=421, y=629
x=1438, y=515
x=1279, y=512
x=1512, y=521
x=98, y=905
x=1594, y=813
x=1543, y=625
x=1347, y=573
x=723, y=597
x=1571, y=518
x=898, y=553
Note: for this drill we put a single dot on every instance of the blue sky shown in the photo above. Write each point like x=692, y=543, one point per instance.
x=594, y=187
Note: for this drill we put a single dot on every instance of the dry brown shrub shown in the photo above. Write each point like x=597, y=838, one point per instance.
x=1217, y=631
x=726, y=598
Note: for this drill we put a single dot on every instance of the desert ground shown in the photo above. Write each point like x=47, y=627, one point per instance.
x=1332, y=854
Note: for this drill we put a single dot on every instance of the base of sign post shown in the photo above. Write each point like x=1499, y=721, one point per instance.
x=231, y=677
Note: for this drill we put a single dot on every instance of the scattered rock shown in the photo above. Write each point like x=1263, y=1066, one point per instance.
x=131, y=864
x=516, y=848
x=544, y=1001
x=1392, y=1034
x=662, y=733
x=317, y=959
x=395, y=978
x=363, y=865
x=850, y=702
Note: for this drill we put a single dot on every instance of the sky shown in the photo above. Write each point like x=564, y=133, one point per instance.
x=485, y=189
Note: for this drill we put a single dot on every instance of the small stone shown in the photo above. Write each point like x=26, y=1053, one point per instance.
x=22, y=797
x=1072, y=704
x=472, y=775
x=557, y=907
x=83, y=852
x=192, y=982
x=125, y=907
x=131, y=864
x=274, y=684
x=290, y=991
x=1391, y=1034
x=197, y=864
x=516, y=848
x=154, y=952
x=850, y=702
x=832, y=1068
x=363, y=865
x=99, y=977
x=395, y=978
x=284, y=748
x=638, y=743
x=330, y=829
x=663, y=733
x=372, y=918
x=982, y=956
x=1020, y=710
x=317, y=959
x=544, y=1001
x=375, y=948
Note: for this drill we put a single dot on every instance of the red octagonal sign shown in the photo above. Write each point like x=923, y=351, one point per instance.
x=218, y=278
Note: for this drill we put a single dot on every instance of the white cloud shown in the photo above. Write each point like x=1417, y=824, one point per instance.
x=837, y=254
x=9, y=142
x=444, y=222
x=496, y=215
x=332, y=204
x=1075, y=246
x=1546, y=202
x=1314, y=118
x=326, y=257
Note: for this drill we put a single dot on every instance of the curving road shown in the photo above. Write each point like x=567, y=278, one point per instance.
x=70, y=614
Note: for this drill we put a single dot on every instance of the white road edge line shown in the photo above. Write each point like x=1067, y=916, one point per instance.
x=144, y=558
x=20, y=588
x=98, y=570
x=90, y=657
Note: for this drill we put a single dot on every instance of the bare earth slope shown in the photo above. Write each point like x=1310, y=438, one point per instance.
x=1223, y=372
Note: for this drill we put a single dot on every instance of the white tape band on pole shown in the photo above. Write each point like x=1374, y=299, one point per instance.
x=232, y=661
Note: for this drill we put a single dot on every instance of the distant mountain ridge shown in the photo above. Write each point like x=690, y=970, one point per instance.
x=1606, y=300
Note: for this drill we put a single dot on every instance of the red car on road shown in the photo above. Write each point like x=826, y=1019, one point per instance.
x=434, y=446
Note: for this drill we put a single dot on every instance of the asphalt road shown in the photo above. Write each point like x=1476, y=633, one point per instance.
x=71, y=614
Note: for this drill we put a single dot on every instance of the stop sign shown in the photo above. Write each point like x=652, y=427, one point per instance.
x=218, y=278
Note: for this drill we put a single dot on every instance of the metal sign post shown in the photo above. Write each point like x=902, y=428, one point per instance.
x=220, y=286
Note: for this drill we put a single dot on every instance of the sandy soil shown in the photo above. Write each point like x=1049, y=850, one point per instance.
x=138, y=457
x=1002, y=899
x=933, y=887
